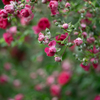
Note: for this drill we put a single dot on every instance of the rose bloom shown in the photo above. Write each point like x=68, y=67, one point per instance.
x=78, y=41
x=54, y=7
x=95, y=65
x=86, y=20
x=27, y=0
x=7, y=66
x=58, y=59
x=62, y=37
x=12, y=30
x=53, y=4
x=36, y=29
x=3, y=23
x=65, y=26
x=94, y=50
x=17, y=83
x=50, y=80
x=51, y=50
x=64, y=77
x=55, y=90
x=41, y=37
x=67, y=5
x=9, y=8
x=90, y=40
x=43, y=23
x=19, y=97
x=5, y=2
x=38, y=87
x=8, y=38
x=3, y=13
x=4, y=79
x=23, y=21
x=97, y=97
x=26, y=12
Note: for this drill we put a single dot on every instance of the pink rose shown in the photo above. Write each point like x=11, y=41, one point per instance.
x=8, y=38
x=3, y=13
x=78, y=41
x=55, y=90
x=9, y=9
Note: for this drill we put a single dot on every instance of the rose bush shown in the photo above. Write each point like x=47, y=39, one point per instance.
x=50, y=50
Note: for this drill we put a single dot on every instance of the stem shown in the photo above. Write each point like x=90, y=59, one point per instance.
x=64, y=51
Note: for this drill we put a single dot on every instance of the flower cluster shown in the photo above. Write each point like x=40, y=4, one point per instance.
x=64, y=29
x=77, y=36
x=14, y=9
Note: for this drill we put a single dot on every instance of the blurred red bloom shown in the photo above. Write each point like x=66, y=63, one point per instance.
x=3, y=23
x=97, y=97
x=64, y=78
x=55, y=90
x=8, y=38
x=5, y=2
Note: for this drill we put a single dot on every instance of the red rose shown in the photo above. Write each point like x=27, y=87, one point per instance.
x=3, y=23
x=43, y=23
x=62, y=37
x=5, y=2
x=64, y=78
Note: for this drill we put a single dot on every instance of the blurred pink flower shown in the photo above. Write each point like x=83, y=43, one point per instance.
x=62, y=37
x=27, y=0
x=7, y=66
x=36, y=29
x=19, y=97
x=17, y=83
x=78, y=41
x=4, y=79
x=66, y=65
x=50, y=80
x=8, y=38
x=55, y=90
x=9, y=8
x=39, y=87
x=33, y=75
x=5, y=2
x=12, y=30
